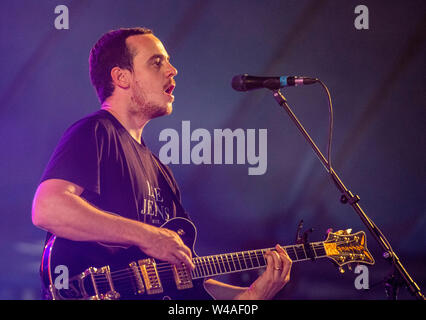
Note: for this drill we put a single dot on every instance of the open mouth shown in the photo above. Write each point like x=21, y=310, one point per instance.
x=169, y=89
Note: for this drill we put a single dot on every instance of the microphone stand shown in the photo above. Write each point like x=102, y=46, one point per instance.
x=400, y=276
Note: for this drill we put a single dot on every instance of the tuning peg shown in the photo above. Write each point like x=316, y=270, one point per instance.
x=327, y=232
x=348, y=231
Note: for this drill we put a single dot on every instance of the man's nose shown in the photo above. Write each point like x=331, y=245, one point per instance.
x=172, y=71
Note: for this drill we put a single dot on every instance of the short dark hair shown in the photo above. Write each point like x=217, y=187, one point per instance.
x=111, y=51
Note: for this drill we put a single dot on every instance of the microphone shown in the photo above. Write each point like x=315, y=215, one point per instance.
x=244, y=82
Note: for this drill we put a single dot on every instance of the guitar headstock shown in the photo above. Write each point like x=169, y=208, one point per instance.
x=344, y=248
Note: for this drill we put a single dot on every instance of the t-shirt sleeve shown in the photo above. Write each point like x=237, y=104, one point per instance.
x=78, y=155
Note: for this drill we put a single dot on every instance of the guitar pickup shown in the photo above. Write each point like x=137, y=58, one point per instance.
x=182, y=277
x=150, y=276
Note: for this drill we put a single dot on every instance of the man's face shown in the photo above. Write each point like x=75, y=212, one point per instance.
x=152, y=77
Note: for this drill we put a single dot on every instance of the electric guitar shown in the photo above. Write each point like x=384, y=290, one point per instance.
x=91, y=270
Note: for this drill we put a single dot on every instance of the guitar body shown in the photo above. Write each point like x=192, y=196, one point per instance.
x=82, y=270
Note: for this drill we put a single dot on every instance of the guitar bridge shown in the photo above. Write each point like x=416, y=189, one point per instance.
x=182, y=277
x=150, y=276
x=95, y=274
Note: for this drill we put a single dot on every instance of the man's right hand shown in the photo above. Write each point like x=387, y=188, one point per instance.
x=165, y=244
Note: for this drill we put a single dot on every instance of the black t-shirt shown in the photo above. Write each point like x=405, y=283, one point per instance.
x=118, y=174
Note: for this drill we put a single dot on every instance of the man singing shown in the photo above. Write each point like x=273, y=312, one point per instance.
x=103, y=185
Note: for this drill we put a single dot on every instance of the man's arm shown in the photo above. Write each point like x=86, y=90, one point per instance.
x=59, y=208
x=275, y=277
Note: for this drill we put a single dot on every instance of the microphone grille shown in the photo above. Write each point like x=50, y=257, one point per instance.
x=238, y=83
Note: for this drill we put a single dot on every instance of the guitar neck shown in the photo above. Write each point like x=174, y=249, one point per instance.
x=226, y=263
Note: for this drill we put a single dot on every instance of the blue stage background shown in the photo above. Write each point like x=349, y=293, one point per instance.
x=376, y=78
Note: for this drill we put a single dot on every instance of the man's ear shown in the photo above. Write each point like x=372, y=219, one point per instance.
x=120, y=77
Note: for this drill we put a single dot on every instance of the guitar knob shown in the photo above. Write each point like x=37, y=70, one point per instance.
x=341, y=270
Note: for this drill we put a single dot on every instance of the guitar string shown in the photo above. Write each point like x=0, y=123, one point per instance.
x=204, y=261
x=239, y=255
x=206, y=267
x=166, y=274
x=201, y=261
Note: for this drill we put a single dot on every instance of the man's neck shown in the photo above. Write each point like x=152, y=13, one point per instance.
x=132, y=122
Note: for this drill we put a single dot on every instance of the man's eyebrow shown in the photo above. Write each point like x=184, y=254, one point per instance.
x=161, y=56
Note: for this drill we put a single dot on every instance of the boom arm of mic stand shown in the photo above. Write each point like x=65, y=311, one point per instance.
x=348, y=197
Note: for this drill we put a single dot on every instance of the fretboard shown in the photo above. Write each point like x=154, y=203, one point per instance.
x=226, y=263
